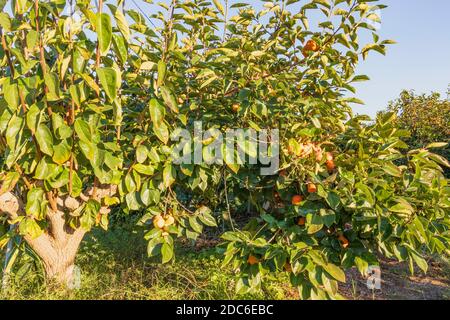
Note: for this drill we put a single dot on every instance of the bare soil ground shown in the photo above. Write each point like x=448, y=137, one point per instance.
x=397, y=283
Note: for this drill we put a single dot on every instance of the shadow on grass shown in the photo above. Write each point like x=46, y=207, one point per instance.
x=114, y=265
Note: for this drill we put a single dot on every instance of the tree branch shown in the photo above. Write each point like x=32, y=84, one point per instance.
x=10, y=205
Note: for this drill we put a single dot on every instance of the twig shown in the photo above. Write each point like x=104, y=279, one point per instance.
x=175, y=197
x=226, y=199
x=6, y=50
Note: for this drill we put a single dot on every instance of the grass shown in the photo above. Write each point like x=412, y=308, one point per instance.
x=114, y=265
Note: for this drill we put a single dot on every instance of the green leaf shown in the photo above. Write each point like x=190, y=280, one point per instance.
x=169, y=175
x=9, y=182
x=77, y=185
x=436, y=145
x=129, y=183
x=14, y=131
x=120, y=47
x=45, y=139
x=418, y=259
x=32, y=39
x=52, y=83
x=91, y=210
x=149, y=196
x=11, y=94
x=108, y=80
x=402, y=207
x=166, y=252
x=122, y=24
x=141, y=153
x=231, y=158
x=169, y=99
x=33, y=118
x=154, y=246
x=34, y=199
x=132, y=202
x=82, y=130
x=362, y=265
x=104, y=32
x=45, y=169
x=77, y=93
x=162, y=132
x=157, y=112
x=61, y=152
x=29, y=226
x=219, y=6
x=161, y=72
x=391, y=169
x=333, y=200
x=328, y=217
x=204, y=214
x=144, y=169
x=335, y=271
x=196, y=226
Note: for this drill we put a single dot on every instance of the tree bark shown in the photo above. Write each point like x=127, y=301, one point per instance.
x=58, y=253
x=57, y=247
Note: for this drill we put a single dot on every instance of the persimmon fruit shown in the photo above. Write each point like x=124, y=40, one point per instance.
x=301, y=221
x=169, y=221
x=330, y=166
x=312, y=188
x=252, y=260
x=236, y=107
x=158, y=222
x=297, y=200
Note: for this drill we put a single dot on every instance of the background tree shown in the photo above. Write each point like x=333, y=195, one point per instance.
x=89, y=102
x=426, y=117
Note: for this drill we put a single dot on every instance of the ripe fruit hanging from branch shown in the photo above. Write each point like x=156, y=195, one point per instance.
x=158, y=222
x=330, y=166
x=236, y=107
x=310, y=46
x=343, y=240
x=301, y=221
x=296, y=200
x=252, y=260
x=312, y=188
x=170, y=220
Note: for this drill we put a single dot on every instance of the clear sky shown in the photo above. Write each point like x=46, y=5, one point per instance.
x=420, y=60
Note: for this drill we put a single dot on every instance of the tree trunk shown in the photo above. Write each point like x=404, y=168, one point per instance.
x=58, y=245
x=60, y=269
x=58, y=248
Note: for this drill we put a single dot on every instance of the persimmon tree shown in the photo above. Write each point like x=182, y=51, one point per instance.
x=92, y=92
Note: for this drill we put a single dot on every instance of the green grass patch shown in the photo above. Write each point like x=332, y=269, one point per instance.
x=114, y=265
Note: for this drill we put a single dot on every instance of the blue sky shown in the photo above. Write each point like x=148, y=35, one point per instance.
x=420, y=60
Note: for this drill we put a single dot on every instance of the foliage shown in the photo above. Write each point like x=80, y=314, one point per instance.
x=89, y=100
x=426, y=117
x=114, y=267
